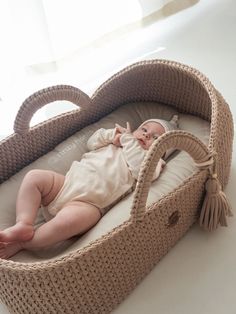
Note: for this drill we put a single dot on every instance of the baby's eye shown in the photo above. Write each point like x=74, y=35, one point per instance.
x=155, y=137
x=144, y=129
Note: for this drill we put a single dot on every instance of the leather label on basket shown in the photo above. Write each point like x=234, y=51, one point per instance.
x=173, y=219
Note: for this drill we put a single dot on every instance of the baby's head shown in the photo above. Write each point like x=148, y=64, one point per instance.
x=151, y=129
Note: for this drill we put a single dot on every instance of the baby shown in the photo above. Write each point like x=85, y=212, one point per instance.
x=74, y=203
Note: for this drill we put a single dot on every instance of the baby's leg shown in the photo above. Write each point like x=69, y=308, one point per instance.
x=74, y=219
x=38, y=186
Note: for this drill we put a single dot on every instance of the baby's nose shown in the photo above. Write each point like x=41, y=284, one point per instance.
x=147, y=135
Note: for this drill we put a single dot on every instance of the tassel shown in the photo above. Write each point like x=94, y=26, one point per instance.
x=215, y=207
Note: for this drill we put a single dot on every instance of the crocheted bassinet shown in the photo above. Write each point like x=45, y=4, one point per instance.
x=96, y=278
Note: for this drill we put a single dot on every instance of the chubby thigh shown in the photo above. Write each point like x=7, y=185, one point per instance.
x=58, y=196
x=50, y=184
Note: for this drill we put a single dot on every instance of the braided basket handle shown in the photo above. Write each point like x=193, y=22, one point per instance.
x=181, y=140
x=42, y=98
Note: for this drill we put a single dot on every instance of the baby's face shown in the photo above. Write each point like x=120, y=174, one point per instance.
x=147, y=133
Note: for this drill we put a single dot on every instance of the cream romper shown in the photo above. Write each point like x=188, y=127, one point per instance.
x=103, y=174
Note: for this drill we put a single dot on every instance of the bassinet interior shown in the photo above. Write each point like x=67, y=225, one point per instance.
x=179, y=167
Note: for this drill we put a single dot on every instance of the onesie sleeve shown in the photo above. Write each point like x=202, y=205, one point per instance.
x=134, y=155
x=100, y=138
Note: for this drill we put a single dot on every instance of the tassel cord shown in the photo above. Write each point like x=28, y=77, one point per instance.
x=215, y=206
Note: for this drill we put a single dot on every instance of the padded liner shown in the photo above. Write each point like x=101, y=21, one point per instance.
x=179, y=167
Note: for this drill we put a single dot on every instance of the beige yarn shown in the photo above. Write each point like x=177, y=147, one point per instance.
x=96, y=278
x=215, y=206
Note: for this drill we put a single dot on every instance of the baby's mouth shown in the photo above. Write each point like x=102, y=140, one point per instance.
x=141, y=141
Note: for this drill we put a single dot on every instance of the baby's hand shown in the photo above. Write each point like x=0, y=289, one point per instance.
x=116, y=140
x=121, y=129
x=118, y=132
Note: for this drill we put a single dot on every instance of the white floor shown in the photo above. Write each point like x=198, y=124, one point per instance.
x=199, y=273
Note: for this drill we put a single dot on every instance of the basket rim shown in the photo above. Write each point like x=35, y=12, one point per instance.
x=207, y=85
x=201, y=78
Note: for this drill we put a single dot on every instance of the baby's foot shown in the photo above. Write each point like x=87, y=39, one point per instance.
x=9, y=249
x=19, y=232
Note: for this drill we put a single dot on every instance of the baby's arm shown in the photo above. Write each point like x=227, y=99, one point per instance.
x=134, y=155
x=119, y=131
x=103, y=137
x=100, y=138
